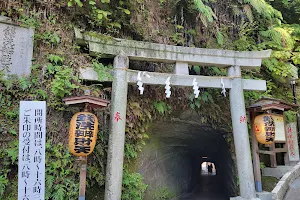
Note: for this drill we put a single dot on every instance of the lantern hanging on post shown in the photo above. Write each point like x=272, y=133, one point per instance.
x=264, y=128
x=83, y=133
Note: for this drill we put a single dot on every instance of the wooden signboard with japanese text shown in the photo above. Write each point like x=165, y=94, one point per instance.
x=279, y=128
x=32, y=138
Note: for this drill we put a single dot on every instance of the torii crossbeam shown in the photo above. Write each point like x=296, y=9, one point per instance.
x=123, y=50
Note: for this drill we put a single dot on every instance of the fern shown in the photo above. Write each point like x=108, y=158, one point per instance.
x=220, y=37
x=59, y=192
x=3, y=183
x=279, y=36
x=264, y=9
x=161, y=107
x=49, y=181
x=42, y=93
x=248, y=11
x=24, y=83
x=13, y=153
x=203, y=19
x=205, y=10
x=133, y=186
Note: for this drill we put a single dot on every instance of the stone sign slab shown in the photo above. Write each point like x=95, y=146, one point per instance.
x=16, y=48
x=292, y=142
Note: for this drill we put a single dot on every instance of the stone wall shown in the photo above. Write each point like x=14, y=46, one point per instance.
x=282, y=186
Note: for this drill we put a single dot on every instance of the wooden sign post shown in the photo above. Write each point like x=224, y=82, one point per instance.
x=268, y=108
x=83, y=133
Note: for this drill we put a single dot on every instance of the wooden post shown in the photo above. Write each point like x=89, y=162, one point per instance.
x=83, y=161
x=285, y=145
x=273, y=156
x=83, y=165
x=255, y=155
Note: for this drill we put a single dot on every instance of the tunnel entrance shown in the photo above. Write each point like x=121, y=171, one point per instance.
x=208, y=168
x=174, y=157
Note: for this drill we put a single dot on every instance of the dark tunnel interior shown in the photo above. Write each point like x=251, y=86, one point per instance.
x=172, y=159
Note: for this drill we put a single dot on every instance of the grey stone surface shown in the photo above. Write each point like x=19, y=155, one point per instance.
x=241, y=136
x=294, y=191
x=115, y=154
x=89, y=73
x=181, y=68
x=240, y=198
x=279, y=192
x=138, y=50
x=180, y=80
x=292, y=141
x=264, y=195
x=276, y=172
x=6, y=20
x=16, y=47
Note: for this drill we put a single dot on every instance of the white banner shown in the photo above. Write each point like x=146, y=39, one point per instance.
x=279, y=128
x=32, y=139
x=292, y=142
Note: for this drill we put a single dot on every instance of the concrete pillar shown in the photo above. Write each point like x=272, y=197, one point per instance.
x=240, y=133
x=181, y=68
x=115, y=157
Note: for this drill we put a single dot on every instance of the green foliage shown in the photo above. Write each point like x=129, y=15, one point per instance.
x=104, y=72
x=64, y=81
x=220, y=37
x=277, y=37
x=162, y=107
x=48, y=38
x=133, y=186
x=101, y=12
x=206, y=13
x=3, y=184
x=30, y=20
x=204, y=97
x=130, y=151
x=277, y=68
x=60, y=169
x=264, y=9
x=290, y=116
x=25, y=83
x=262, y=165
x=163, y=194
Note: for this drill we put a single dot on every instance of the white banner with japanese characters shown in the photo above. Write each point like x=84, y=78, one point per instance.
x=32, y=139
x=292, y=141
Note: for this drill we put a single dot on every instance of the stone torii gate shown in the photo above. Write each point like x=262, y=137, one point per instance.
x=123, y=50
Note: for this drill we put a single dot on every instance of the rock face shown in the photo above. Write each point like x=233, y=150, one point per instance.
x=16, y=46
x=171, y=160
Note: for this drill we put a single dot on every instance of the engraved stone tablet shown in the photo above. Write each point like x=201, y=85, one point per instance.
x=16, y=46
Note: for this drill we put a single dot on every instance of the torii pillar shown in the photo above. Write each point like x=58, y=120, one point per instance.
x=240, y=134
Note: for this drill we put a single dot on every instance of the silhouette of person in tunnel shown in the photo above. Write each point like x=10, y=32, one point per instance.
x=209, y=168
